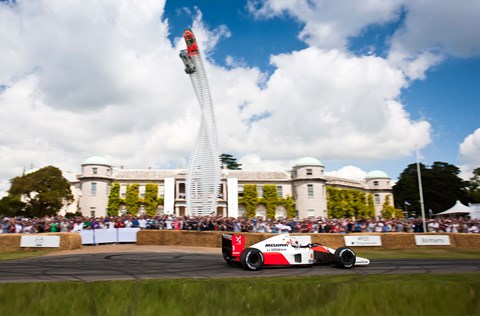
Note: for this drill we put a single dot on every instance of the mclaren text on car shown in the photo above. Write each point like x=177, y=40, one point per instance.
x=286, y=250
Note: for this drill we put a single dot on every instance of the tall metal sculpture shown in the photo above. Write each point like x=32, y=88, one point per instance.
x=203, y=177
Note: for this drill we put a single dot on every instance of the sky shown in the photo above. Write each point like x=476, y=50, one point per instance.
x=358, y=85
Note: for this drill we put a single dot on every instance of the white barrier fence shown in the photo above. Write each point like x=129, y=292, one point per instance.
x=108, y=236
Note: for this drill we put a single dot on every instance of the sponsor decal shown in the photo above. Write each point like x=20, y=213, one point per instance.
x=238, y=243
x=363, y=241
x=432, y=240
x=276, y=245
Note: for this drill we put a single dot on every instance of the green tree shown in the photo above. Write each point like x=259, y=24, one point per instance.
x=473, y=189
x=44, y=191
x=114, y=200
x=250, y=198
x=230, y=161
x=440, y=183
x=11, y=205
x=151, y=200
x=289, y=205
x=348, y=203
x=270, y=199
x=132, y=200
x=388, y=211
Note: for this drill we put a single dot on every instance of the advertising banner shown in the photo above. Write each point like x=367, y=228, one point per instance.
x=365, y=241
x=432, y=240
x=40, y=241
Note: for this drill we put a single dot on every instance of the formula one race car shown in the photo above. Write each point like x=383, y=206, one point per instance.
x=286, y=250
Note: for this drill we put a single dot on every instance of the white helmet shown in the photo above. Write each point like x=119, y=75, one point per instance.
x=294, y=242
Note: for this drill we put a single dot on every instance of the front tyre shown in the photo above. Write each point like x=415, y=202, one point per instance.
x=251, y=259
x=345, y=258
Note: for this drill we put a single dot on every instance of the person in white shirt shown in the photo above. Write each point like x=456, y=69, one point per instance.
x=77, y=227
x=142, y=223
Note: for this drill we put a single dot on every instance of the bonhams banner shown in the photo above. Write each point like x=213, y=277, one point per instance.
x=432, y=240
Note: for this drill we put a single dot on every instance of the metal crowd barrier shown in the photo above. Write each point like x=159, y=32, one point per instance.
x=109, y=236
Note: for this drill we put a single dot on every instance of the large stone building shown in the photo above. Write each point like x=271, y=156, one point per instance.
x=306, y=183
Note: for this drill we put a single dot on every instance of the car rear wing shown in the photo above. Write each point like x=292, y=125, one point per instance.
x=232, y=245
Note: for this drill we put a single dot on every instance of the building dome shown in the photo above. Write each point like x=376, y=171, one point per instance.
x=377, y=174
x=308, y=161
x=96, y=160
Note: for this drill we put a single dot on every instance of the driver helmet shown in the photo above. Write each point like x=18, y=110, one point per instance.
x=294, y=242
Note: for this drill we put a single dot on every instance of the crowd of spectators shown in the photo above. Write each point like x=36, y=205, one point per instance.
x=240, y=224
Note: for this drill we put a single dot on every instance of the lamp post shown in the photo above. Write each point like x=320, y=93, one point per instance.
x=420, y=190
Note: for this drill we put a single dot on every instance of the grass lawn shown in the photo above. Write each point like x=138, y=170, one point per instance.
x=402, y=294
x=441, y=294
x=420, y=253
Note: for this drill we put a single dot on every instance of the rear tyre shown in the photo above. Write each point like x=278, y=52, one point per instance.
x=251, y=259
x=345, y=258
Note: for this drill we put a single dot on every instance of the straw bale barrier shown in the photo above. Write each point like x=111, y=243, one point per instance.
x=212, y=239
x=68, y=241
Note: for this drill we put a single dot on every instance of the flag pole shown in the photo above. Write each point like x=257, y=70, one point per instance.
x=420, y=189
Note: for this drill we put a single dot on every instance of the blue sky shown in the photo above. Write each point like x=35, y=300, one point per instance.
x=354, y=84
x=448, y=97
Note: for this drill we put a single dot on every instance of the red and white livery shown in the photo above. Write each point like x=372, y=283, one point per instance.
x=286, y=250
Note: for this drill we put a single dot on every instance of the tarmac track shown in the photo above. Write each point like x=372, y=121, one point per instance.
x=157, y=265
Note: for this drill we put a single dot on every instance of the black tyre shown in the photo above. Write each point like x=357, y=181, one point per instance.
x=227, y=258
x=251, y=259
x=345, y=258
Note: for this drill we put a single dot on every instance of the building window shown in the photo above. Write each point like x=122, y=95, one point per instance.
x=311, y=213
x=95, y=170
x=93, y=188
x=92, y=211
x=309, y=172
x=260, y=191
x=240, y=191
x=161, y=190
x=375, y=183
x=310, y=190
x=279, y=191
x=377, y=199
x=123, y=190
x=141, y=190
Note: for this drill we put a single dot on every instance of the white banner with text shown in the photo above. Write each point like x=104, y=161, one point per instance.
x=432, y=240
x=363, y=241
x=40, y=241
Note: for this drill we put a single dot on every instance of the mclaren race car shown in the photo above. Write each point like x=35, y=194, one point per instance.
x=286, y=250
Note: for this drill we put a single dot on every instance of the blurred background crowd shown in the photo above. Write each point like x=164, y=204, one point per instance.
x=240, y=224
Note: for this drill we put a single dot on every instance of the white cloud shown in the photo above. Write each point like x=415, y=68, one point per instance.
x=470, y=154
x=331, y=105
x=255, y=162
x=348, y=172
x=103, y=78
x=329, y=24
x=431, y=31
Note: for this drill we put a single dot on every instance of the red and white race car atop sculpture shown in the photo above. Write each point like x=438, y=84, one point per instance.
x=286, y=250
